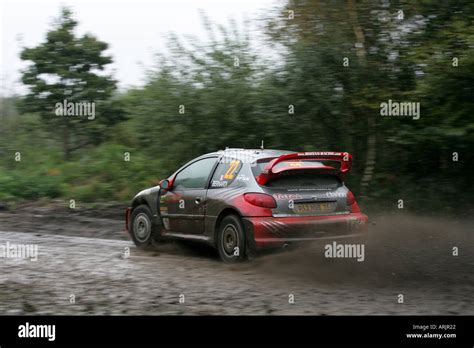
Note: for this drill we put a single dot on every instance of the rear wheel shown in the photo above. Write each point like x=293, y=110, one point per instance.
x=231, y=239
x=141, y=227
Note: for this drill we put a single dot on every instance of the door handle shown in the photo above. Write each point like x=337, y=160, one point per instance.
x=198, y=200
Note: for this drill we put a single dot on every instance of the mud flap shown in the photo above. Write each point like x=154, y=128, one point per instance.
x=250, y=247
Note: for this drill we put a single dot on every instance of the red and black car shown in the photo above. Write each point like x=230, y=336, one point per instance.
x=240, y=201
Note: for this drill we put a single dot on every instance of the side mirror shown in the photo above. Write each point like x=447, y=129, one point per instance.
x=165, y=184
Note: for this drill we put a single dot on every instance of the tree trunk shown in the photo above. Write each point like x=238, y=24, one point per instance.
x=371, y=150
x=66, y=143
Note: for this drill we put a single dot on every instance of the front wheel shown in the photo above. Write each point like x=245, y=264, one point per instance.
x=231, y=239
x=141, y=227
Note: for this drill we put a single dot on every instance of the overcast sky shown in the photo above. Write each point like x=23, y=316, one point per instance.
x=134, y=29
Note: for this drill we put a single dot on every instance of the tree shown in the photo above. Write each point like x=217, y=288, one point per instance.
x=203, y=96
x=416, y=52
x=72, y=69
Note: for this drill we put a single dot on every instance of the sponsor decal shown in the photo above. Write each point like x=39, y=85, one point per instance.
x=219, y=183
x=287, y=196
x=242, y=177
x=320, y=153
x=166, y=223
x=336, y=194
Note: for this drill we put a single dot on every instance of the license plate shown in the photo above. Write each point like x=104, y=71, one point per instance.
x=307, y=208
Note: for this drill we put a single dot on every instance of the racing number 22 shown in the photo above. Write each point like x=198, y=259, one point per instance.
x=229, y=174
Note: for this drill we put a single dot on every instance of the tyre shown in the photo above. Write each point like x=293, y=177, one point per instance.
x=231, y=239
x=141, y=227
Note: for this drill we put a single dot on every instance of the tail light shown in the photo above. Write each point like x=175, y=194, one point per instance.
x=260, y=200
x=350, y=198
x=351, y=202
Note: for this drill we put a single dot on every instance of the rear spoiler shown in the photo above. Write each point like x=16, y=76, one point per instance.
x=343, y=157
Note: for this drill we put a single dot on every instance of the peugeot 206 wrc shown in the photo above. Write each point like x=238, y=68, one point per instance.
x=241, y=201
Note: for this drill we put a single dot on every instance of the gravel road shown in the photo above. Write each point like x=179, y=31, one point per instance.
x=406, y=255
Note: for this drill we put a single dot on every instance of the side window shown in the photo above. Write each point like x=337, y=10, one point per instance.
x=225, y=173
x=195, y=175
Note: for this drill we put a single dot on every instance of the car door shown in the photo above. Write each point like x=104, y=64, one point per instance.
x=183, y=208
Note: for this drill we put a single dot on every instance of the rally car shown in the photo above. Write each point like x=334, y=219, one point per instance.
x=241, y=201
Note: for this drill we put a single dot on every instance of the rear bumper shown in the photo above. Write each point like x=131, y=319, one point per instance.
x=275, y=231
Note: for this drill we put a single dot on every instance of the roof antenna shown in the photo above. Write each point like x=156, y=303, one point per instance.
x=261, y=146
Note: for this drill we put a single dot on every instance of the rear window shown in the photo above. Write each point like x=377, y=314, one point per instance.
x=306, y=179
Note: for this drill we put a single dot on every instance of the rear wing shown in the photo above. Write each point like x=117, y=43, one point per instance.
x=269, y=172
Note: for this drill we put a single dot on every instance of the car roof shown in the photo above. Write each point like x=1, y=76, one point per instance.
x=240, y=153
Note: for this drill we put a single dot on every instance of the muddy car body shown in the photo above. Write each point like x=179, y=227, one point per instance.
x=241, y=201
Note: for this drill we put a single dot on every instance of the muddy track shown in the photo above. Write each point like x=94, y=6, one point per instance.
x=405, y=255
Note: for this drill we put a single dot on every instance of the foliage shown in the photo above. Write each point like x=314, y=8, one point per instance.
x=70, y=68
x=233, y=95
